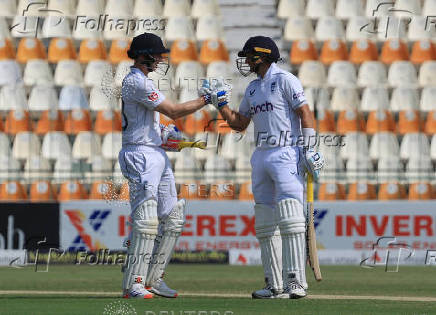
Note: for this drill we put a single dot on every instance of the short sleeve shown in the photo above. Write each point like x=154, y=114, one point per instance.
x=294, y=92
x=144, y=92
x=244, y=107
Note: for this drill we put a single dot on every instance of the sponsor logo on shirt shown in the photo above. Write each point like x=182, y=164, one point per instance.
x=265, y=107
x=296, y=96
x=153, y=96
x=252, y=92
x=273, y=86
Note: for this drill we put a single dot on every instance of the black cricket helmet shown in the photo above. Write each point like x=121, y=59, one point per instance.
x=260, y=49
x=147, y=45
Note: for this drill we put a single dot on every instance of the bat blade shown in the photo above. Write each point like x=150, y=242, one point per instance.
x=312, y=252
x=192, y=144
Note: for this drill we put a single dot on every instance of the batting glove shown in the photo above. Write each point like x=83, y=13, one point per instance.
x=314, y=162
x=170, y=136
x=216, y=94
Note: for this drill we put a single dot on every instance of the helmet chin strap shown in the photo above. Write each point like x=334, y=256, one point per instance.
x=148, y=63
x=258, y=62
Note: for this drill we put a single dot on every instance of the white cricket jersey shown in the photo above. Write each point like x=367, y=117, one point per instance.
x=270, y=102
x=140, y=122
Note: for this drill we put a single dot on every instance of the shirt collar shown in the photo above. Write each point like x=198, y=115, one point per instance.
x=136, y=70
x=271, y=70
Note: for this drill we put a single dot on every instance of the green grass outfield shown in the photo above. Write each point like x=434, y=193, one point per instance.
x=217, y=289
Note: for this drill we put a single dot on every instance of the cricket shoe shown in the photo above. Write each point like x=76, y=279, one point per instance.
x=160, y=288
x=294, y=289
x=137, y=291
x=268, y=292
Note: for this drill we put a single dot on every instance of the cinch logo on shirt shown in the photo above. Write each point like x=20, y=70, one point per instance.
x=266, y=107
x=297, y=95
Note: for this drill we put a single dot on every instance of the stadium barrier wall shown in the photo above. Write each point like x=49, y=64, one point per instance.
x=347, y=232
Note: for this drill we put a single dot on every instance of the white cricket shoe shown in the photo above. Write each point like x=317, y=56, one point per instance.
x=137, y=291
x=161, y=288
x=268, y=292
x=294, y=289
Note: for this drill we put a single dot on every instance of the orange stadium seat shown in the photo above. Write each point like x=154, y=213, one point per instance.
x=124, y=192
x=326, y=121
x=361, y=191
x=222, y=191
x=118, y=50
x=213, y=50
x=30, y=48
x=192, y=191
x=350, y=120
x=421, y=191
x=245, y=191
x=107, y=121
x=391, y=191
x=394, y=50
x=2, y=127
x=61, y=49
x=362, y=51
x=42, y=191
x=331, y=191
x=17, y=121
x=51, y=120
x=183, y=50
x=12, y=191
x=333, y=50
x=380, y=120
x=101, y=190
x=91, y=49
x=72, y=190
x=7, y=50
x=197, y=122
x=430, y=123
x=78, y=120
x=409, y=121
x=423, y=51
x=301, y=51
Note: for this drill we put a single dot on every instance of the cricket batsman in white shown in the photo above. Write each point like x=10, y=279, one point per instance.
x=283, y=128
x=157, y=217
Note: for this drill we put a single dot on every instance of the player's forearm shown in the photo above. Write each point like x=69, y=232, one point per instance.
x=307, y=120
x=233, y=118
x=186, y=108
x=306, y=116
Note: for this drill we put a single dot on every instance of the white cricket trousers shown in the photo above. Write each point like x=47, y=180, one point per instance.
x=150, y=176
x=277, y=174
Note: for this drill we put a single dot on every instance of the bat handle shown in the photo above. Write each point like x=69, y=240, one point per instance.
x=309, y=187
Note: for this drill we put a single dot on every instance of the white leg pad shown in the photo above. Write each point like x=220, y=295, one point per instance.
x=292, y=224
x=144, y=230
x=268, y=234
x=172, y=226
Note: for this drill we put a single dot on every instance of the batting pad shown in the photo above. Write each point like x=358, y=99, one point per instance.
x=268, y=234
x=144, y=231
x=292, y=224
x=171, y=227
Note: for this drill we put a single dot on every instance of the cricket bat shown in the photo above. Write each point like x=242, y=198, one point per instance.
x=312, y=254
x=177, y=145
x=192, y=144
